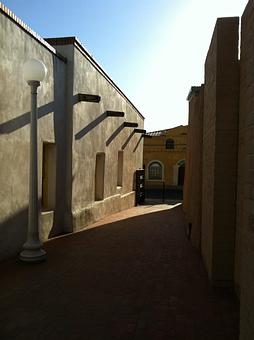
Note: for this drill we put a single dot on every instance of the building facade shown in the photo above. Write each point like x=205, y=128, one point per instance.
x=219, y=187
x=86, y=167
x=164, y=157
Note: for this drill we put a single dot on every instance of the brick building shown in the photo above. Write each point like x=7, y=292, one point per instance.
x=219, y=187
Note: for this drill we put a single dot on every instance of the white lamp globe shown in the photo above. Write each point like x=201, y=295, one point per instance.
x=34, y=70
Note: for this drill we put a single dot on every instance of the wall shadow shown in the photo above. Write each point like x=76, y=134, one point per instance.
x=115, y=226
x=75, y=99
x=114, y=134
x=139, y=141
x=21, y=121
x=91, y=126
x=113, y=270
x=13, y=234
x=128, y=140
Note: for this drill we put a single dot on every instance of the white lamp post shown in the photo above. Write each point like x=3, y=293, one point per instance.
x=34, y=72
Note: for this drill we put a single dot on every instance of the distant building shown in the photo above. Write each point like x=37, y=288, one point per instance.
x=164, y=157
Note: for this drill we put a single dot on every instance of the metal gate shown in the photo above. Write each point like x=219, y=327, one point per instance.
x=140, y=186
x=159, y=192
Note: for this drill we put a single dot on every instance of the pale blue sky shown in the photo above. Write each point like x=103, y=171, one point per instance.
x=153, y=49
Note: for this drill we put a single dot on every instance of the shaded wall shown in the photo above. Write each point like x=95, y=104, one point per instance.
x=244, y=273
x=193, y=174
x=220, y=131
x=228, y=163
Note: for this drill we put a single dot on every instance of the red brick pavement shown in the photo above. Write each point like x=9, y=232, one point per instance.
x=133, y=278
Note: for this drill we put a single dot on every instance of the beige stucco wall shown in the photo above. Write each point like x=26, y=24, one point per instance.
x=16, y=47
x=61, y=120
x=87, y=142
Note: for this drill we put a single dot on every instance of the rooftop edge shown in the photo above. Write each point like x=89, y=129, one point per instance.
x=7, y=12
x=72, y=40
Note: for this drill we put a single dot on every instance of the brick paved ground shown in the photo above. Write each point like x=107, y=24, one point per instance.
x=136, y=277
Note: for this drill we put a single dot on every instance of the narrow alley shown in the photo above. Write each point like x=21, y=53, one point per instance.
x=134, y=275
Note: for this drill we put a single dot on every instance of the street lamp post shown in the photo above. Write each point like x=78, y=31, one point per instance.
x=34, y=72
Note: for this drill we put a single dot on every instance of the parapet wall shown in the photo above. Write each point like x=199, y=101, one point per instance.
x=193, y=175
x=244, y=274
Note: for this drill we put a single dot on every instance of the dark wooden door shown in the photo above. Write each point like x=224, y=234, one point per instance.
x=181, y=172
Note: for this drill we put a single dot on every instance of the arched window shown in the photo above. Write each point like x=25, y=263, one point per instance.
x=155, y=171
x=170, y=143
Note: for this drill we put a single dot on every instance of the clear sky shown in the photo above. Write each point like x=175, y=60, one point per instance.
x=153, y=49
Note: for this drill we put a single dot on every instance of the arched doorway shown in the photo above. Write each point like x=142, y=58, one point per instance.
x=181, y=172
x=178, y=173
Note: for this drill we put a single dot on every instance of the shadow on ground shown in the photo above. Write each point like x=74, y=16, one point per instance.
x=155, y=201
x=137, y=278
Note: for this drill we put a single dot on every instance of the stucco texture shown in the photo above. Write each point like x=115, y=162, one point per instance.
x=77, y=131
x=15, y=49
